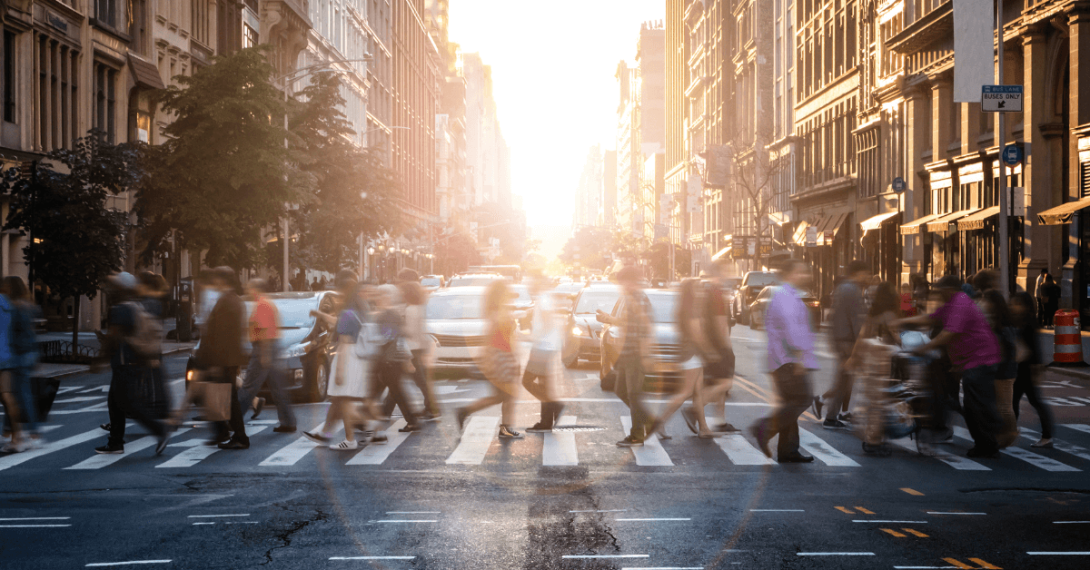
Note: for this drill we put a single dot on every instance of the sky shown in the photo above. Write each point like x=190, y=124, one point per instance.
x=553, y=65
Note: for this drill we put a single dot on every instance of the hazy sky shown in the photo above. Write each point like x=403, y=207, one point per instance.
x=553, y=65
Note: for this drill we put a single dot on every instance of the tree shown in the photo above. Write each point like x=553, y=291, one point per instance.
x=659, y=258
x=222, y=176
x=589, y=247
x=454, y=253
x=353, y=193
x=74, y=240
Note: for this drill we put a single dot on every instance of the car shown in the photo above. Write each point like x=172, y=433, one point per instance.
x=524, y=306
x=582, y=329
x=432, y=283
x=473, y=279
x=457, y=328
x=307, y=345
x=752, y=284
x=666, y=377
x=759, y=306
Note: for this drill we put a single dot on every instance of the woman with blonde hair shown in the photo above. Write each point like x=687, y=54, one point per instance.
x=498, y=362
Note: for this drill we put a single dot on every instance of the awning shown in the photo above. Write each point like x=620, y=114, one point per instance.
x=723, y=252
x=778, y=218
x=800, y=233
x=976, y=221
x=914, y=226
x=874, y=222
x=941, y=224
x=831, y=224
x=1063, y=213
x=145, y=73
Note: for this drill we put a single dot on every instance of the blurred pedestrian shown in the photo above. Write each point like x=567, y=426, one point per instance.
x=266, y=359
x=1029, y=365
x=20, y=351
x=974, y=351
x=539, y=378
x=635, y=358
x=871, y=359
x=150, y=295
x=1052, y=300
x=849, y=315
x=414, y=331
x=498, y=361
x=718, y=377
x=995, y=309
x=1039, y=295
x=208, y=296
x=790, y=360
x=133, y=344
x=220, y=355
x=393, y=357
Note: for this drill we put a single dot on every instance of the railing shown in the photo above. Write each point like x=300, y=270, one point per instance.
x=61, y=352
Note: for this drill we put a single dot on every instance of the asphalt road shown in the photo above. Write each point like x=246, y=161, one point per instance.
x=570, y=500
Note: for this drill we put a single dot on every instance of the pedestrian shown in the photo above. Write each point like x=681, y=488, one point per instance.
x=1029, y=365
x=220, y=355
x=498, y=361
x=790, y=360
x=871, y=359
x=266, y=365
x=208, y=295
x=414, y=332
x=393, y=358
x=150, y=293
x=849, y=314
x=21, y=417
x=1052, y=300
x=635, y=356
x=974, y=351
x=1039, y=295
x=995, y=309
x=718, y=376
x=539, y=378
x=132, y=343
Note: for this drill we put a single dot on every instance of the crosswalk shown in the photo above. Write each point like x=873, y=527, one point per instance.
x=479, y=445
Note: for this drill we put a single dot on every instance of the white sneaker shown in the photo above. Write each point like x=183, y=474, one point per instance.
x=16, y=447
x=345, y=445
x=1044, y=442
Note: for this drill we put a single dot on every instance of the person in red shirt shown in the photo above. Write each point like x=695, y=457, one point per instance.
x=498, y=362
x=266, y=359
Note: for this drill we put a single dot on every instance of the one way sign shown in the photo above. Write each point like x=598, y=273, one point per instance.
x=1001, y=98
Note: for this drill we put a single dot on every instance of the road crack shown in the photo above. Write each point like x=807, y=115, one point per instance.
x=285, y=537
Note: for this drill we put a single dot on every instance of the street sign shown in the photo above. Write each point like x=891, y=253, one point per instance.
x=898, y=184
x=811, y=236
x=1012, y=154
x=1001, y=98
x=1017, y=201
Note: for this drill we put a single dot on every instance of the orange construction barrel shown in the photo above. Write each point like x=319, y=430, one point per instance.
x=1068, y=344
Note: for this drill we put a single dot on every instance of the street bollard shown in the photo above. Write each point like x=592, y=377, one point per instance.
x=1068, y=339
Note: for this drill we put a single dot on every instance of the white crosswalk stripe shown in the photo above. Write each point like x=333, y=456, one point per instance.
x=558, y=449
x=956, y=461
x=1078, y=427
x=100, y=461
x=1077, y=451
x=475, y=441
x=377, y=454
x=50, y=447
x=741, y=452
x=823, y=451
x=1046, y=463
x=651, y=454
x=293, y=452
x=198, y=452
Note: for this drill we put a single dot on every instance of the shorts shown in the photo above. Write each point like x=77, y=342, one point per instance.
x=721, y=369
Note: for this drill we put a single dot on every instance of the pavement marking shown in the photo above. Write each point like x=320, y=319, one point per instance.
x=1058, y=553
x=845, y=510
x=100, y=407
x=1040, y=461
x=956, y=461
x=78, y=399
x=197, y=452
x=823, y=451
x=777, y=511
x=968, y=514
x=34, y=525
x=372, y=557
x=103, y=389
x=888, y=522
x=1077, y=451
x=864, y=511
x=588, y=556
x=834, y=554
x=915, y=532
x=893, y=533
x=50, y=447
x=475, y=441
x=203, y=523
x=609, y=511
x=983, y=564
x=651, y=520
x=36, y=519
x=218, y=516
x=558, y=449
x=225, y=522
x=293, y=452
x=65, y=389
x=126, y=563
x=403, y=521
x=1053, y=522
x=651, y=454
x=376, y=454
x=414, y=512
x=664, y=568
x=100, y=461
x=741, y=452
x=1078, y=427
x=912, y=491
x=957, y=563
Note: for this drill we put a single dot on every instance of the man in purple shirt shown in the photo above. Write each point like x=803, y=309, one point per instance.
x=790, y=360
x=973, y=350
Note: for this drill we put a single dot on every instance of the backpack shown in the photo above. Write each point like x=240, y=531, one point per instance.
x=146, y=339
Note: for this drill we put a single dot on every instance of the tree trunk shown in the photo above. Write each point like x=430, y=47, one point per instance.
x=75, y=325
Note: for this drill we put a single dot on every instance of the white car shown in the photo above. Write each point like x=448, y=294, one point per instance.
x=456, y=327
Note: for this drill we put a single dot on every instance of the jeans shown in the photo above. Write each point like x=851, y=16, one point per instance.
x=22, y=390
x=795, y=396
x=979, y=409
x=388, y=375
x=1024, y=386
x=629, y=388
x=840, y=394
x=258, y=374
x=121, y=403
x=420, y=378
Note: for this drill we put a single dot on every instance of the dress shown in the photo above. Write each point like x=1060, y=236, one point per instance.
x=353, y=369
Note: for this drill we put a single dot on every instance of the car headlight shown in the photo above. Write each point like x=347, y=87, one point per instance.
x=577, y=331
x=297, y=350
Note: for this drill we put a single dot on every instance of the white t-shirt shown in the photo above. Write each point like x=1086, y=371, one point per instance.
x=545, y=332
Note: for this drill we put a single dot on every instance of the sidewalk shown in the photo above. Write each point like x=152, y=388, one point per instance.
x=1048, y=339
x=49, y=370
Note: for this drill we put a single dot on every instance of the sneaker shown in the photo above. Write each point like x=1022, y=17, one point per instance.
x=345, y=445
x=258, y=406
x=16, y=446
x=319, y=438
x=235, y=444
x=284, y=429
x=105, y=427
x=845, y=417
x=508, y=433
x=834, y=424
x=1045, y=442
x=110, y=449
x=162, y=445
x=818, y=404
x=540, y=427
x=943, y=436
x=630, y=442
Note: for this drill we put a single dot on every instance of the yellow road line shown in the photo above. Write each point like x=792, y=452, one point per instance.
x=864, y=511
x=912, y=491
x=893, y=532
x=957, y=564
x=917, y=533
x=984, y=564
x=845, y=510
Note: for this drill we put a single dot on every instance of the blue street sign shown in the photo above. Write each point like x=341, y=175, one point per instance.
x=898, y=184
x=1012, y=154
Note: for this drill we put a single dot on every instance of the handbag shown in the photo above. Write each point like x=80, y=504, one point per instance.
x=215, y=398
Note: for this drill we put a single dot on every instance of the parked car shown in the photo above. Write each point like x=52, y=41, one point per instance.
x=566, y=293
x=456, y=327
x=752, y=284
x=665, y=344
x=582, y=330
x=307, y=345
x=759, y=307
x=432, y=283
x=473, y=279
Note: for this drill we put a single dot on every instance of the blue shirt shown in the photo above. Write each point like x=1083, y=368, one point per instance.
x=790, y=340
x=6, y=311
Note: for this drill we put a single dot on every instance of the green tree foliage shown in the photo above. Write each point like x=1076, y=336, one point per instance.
x=454, y=253
x=659, y=258
x=75, y=240
x=354, y=192
x=222, y=176
x=589, y=247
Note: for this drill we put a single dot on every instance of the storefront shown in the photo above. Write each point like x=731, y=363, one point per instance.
x=946, y=245
x=881, y=243
x=824, y=241
x=919, y=227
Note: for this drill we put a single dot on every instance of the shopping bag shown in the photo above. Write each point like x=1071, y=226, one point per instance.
x=215, y=398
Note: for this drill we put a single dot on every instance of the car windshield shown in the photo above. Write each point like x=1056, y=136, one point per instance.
x=663, y=308
x=766, y=292
x=733, y=282
x=471, y=281
x=454, y=307
x=294, y=309
x=431, y=282
x=760, y=279
x=593, y=301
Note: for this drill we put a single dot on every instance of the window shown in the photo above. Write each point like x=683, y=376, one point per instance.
x=57, y=96
x=249, y=36
x=106, y=12
x=9, y=76
x=105, y=100
x=138, y=21
x=201, y=21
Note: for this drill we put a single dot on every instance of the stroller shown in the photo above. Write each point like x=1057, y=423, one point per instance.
x=896, y=394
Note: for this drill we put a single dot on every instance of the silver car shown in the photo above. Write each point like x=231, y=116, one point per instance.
x=666, y=349
x=456, y=327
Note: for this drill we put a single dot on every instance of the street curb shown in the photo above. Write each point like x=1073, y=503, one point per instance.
x=1077, y=373
x=83, y=369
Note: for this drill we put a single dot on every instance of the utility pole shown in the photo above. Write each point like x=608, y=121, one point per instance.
x=1004, y=207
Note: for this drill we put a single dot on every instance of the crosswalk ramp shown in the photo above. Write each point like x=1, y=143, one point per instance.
x=479, y=445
